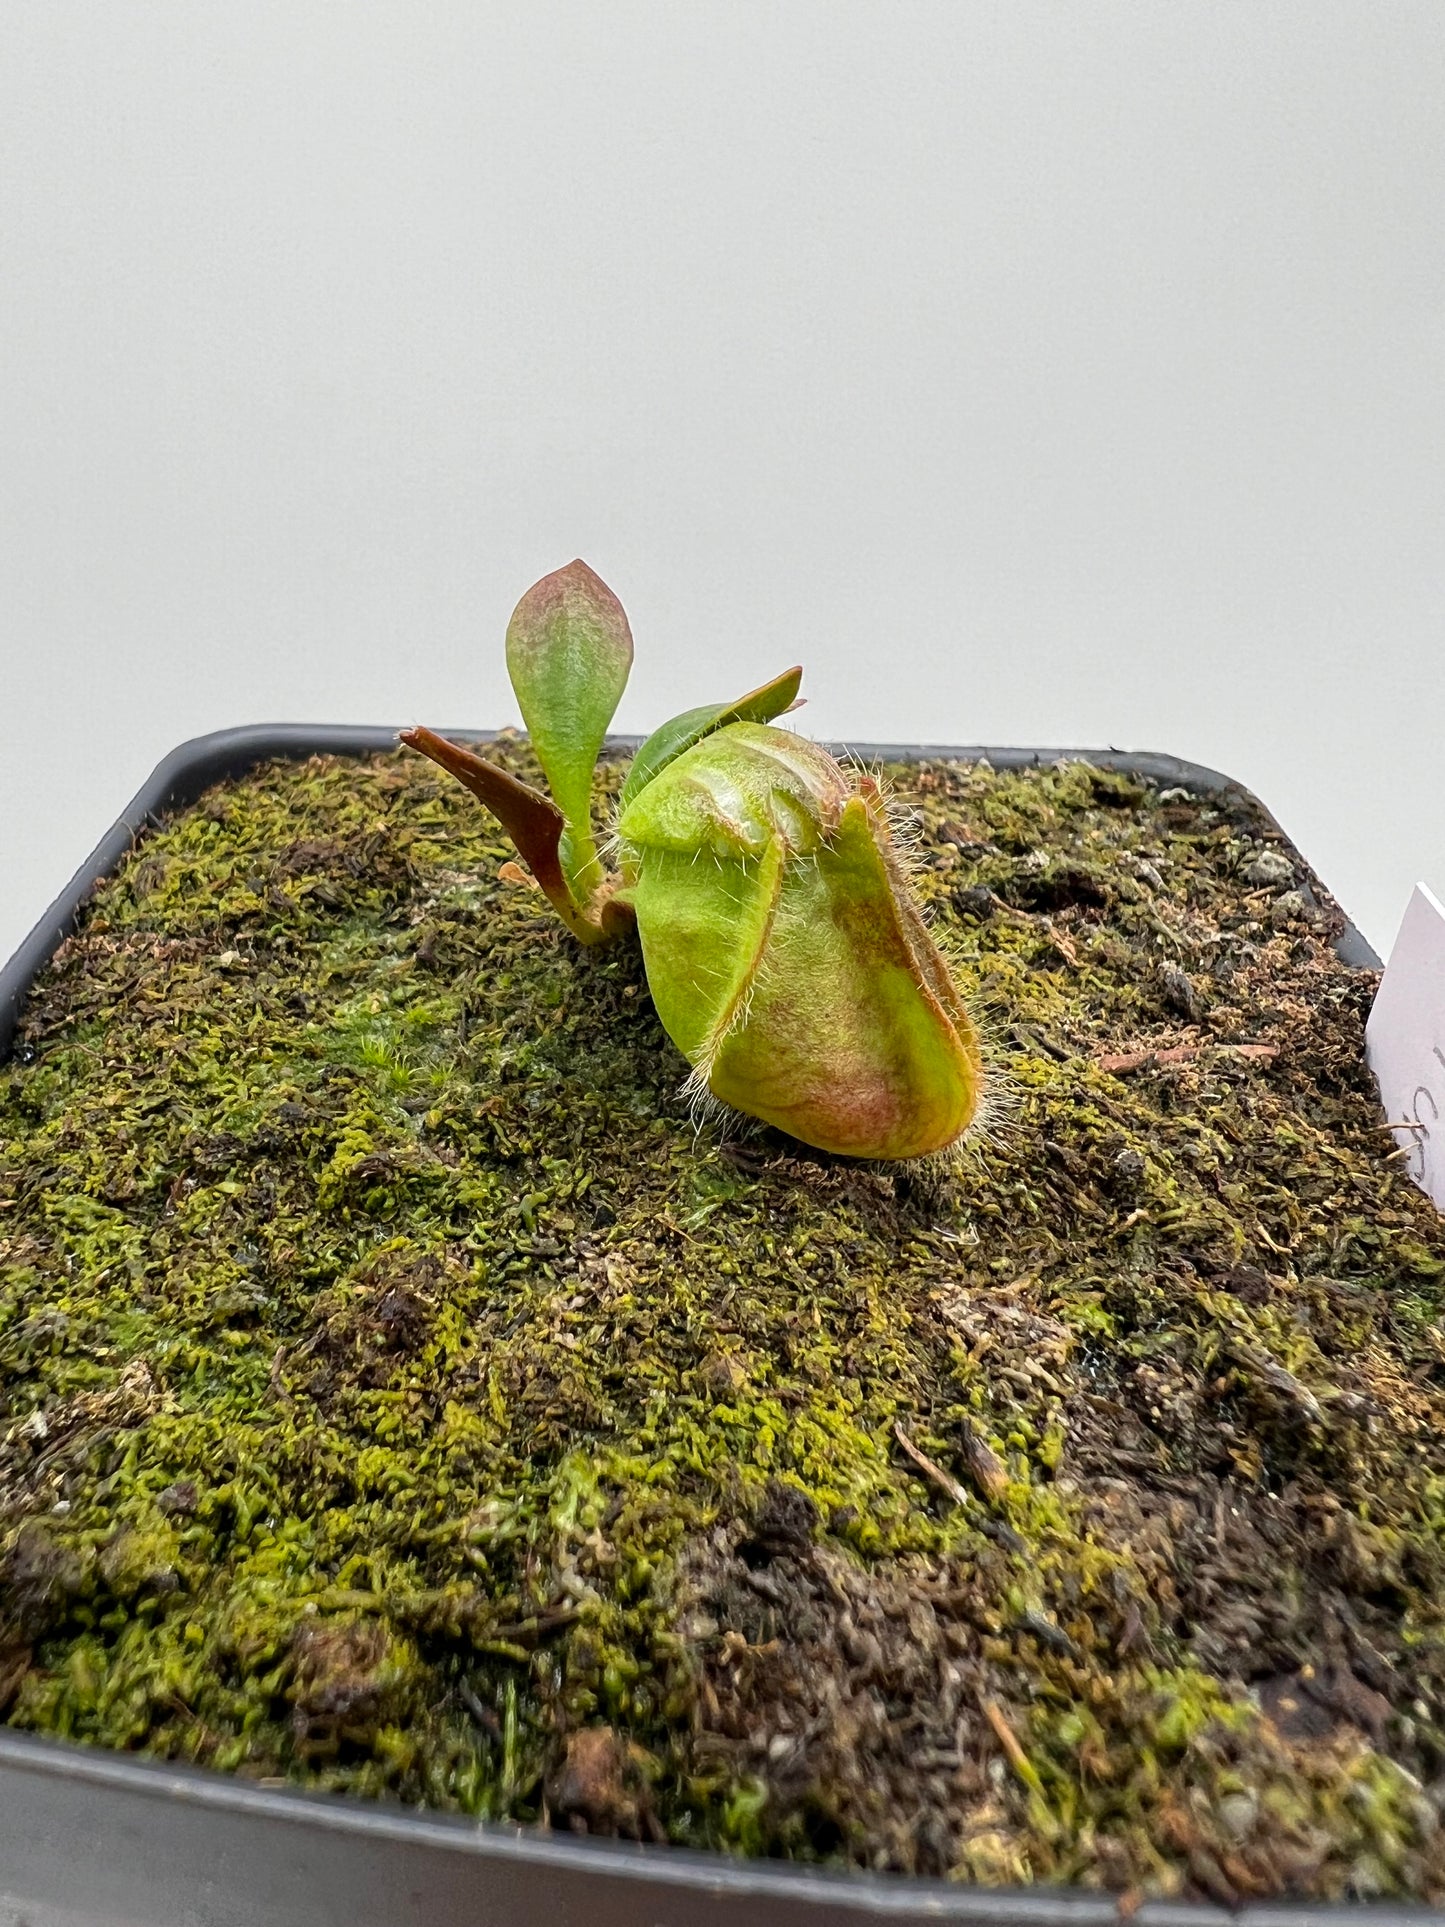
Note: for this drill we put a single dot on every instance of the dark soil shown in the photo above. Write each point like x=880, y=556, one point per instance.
x=400, y=1395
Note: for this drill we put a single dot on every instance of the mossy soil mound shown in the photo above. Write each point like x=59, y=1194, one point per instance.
x=401, y=1395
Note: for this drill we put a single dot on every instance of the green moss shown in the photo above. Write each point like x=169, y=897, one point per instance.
x=397, y=1383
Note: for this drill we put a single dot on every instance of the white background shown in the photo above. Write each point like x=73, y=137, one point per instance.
x=1036, y=374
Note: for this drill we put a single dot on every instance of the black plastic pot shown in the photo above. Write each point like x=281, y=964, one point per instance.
x=88, y=1836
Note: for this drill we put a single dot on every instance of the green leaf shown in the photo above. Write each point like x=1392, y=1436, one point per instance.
x=569, y=651
x=666, y=744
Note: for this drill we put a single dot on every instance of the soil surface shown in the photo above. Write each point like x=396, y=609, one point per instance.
x=399, y=1394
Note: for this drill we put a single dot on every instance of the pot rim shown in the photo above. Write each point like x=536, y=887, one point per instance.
x=105, y=1839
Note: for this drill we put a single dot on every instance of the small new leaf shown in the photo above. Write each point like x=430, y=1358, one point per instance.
x=666, y=744
x=569, y=652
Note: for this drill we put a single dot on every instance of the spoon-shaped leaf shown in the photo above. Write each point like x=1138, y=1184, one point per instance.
x=569, y=651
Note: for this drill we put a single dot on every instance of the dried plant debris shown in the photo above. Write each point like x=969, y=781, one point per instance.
x=401, y=1395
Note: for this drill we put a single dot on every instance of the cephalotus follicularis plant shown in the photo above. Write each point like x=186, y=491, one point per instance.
x=786, y=956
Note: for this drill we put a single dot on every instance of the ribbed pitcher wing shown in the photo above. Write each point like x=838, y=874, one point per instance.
x=845, y=1041
x=706, y=927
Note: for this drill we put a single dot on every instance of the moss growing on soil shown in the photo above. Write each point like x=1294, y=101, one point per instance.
x=400, y=1395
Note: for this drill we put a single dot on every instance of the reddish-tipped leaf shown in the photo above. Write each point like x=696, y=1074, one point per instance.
x=569, y=651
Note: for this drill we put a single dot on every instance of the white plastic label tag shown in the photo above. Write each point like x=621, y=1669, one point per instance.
x=1405, y=1041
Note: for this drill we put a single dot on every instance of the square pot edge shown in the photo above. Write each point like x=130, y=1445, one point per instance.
x=67, y=1786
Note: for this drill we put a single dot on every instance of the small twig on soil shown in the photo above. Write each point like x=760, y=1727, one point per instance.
x=479, y=1710
x=1049, y=1635
x=930, y=1469
x=538, y=1624
x=1009, y=1741
x=1280, y=1379
x=1037, y=1041
x=1065, y=949
x=985, y=1467
x=672, y=1225
x=1123, y=1062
